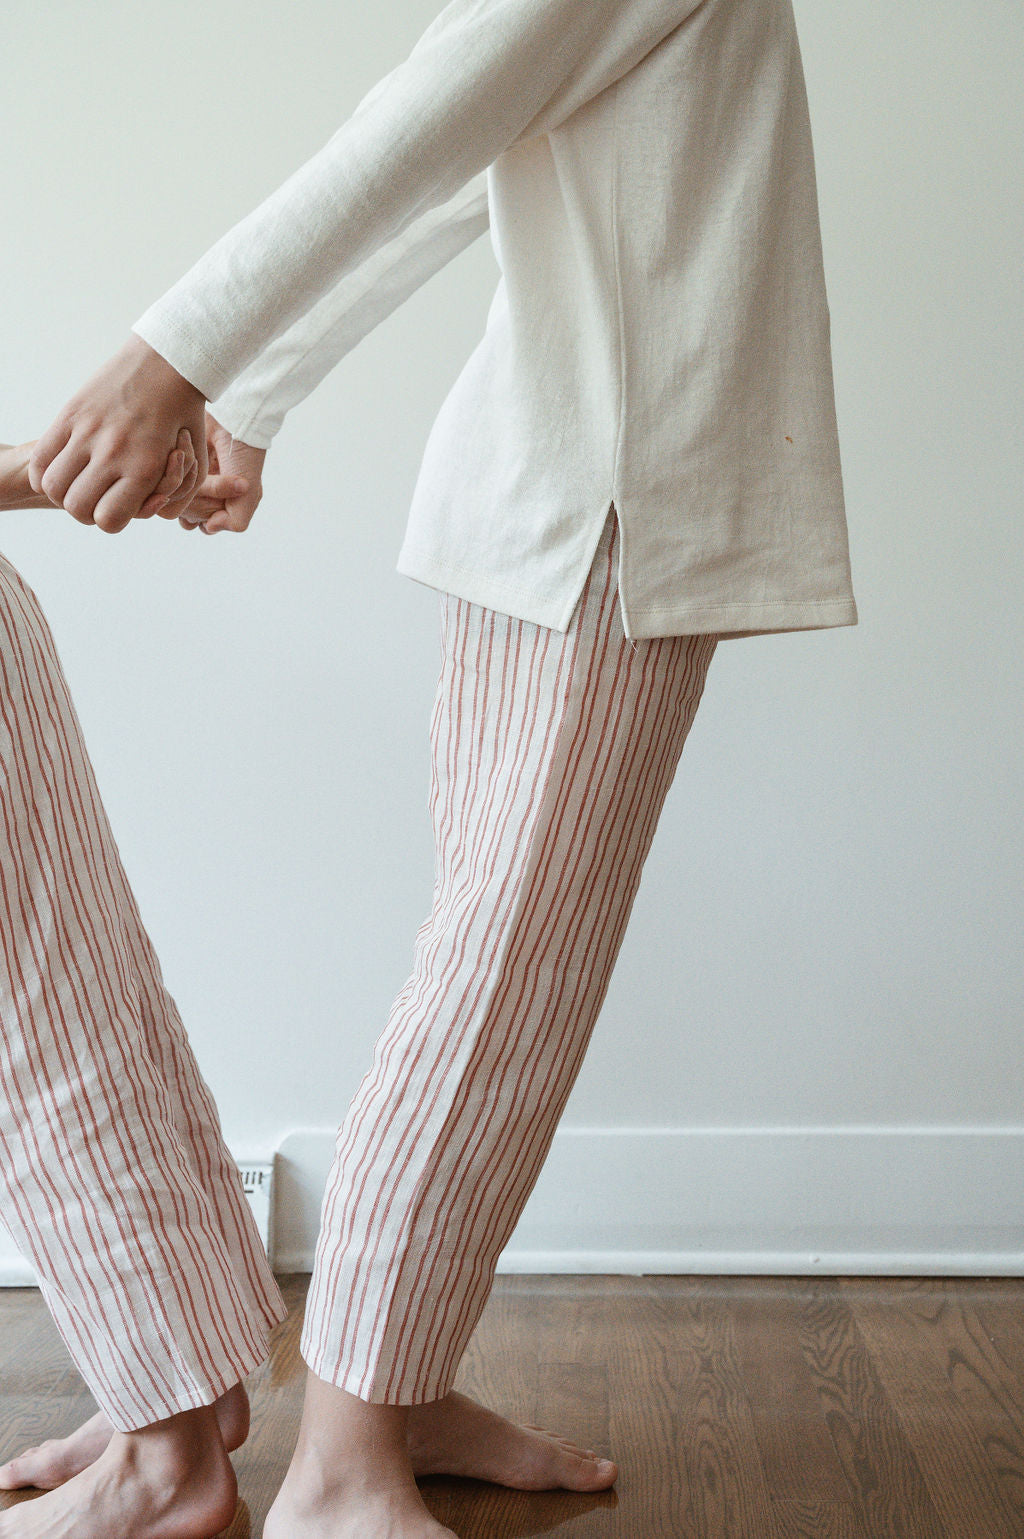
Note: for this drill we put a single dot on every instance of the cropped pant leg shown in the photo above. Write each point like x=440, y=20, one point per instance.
x=552, y=755
x=114, y=1178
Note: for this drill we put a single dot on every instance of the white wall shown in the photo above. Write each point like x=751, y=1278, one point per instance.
x=828, y=934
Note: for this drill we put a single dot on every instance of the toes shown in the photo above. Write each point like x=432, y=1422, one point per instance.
x=14, y=1475
x=584, y=1470
x=574, y=1451
x=592, y=1473
x=34, y=1468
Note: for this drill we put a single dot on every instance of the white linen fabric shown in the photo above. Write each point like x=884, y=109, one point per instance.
x=660, y=336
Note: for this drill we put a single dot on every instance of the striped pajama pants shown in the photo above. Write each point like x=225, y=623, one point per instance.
x=114, y=1178
x=551, y=757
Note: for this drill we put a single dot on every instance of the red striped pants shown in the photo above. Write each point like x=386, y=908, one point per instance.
x=114, y=1178
x=551, y=755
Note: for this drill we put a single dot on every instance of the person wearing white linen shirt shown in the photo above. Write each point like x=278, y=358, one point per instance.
x=639, y=459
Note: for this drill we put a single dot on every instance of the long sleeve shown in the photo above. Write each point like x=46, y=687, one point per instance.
x=285, y=372
x=485, y=74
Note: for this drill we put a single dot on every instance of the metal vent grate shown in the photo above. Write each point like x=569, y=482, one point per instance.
x=258, y=1185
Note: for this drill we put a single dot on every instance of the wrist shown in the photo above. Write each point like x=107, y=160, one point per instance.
x=147, y=368
x=15, y=488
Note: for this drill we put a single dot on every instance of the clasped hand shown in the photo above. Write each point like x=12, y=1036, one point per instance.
x=136, y=441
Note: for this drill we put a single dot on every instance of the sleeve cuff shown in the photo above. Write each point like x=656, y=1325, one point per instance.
x=183, y=352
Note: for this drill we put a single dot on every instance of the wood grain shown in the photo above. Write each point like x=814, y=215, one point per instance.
x=957, y=1399
x=888, y=1488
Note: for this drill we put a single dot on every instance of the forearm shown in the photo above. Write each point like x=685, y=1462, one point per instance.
x=15, y=487
x=487, y=73
x=295, y=362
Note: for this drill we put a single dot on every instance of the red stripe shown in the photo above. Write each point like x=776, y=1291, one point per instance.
x=538, y=1056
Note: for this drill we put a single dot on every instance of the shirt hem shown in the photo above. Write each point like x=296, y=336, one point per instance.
x=684, y=619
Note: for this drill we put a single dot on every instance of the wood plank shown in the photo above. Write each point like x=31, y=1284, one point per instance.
x=816, y=1520
x=957, y=1401
x=645, y=1421
x=715, y=1436
x=500, y=1364
x=889, y=1490
x=476, y=1511
x=41, y=1393
x=799, y=1458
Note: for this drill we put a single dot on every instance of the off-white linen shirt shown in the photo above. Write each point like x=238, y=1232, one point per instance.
x=659, y=339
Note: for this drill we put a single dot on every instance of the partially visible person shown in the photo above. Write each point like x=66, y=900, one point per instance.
x=114, y=1178
x=639, y=459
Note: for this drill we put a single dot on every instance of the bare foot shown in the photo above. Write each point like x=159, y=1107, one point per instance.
x=171, y=1481
x=350, y=1476
x=60, y=1459
x=351, y=1511
x=456, y=1436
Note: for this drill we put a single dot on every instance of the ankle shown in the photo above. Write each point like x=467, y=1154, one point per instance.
x=177, y=1454
x=347, y=1444
x=336, y=1422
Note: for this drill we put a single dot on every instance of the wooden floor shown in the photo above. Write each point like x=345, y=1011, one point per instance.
x=738, y=1408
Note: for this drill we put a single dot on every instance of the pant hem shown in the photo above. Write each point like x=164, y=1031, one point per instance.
x=211, y=1382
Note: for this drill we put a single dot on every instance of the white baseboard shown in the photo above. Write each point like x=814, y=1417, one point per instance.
x=773, y=1201
x=870, y=1201
x=15, y=1272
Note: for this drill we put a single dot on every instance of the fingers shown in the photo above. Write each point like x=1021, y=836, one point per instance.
x=212, y=497
x=183, y=497
x=87, y=487
x=236, y=509
x=219, y=522
x=60, y=473
x=231, y=491
x=47, y=448
x=194, y=479
x=119, y=440
x=86, y=493
x=118, y=505
x=112, y=499
x=185, y=445
x=235, y=517
x=210, y=500
x=179, y=462
x=237, y=512
x=92, y=494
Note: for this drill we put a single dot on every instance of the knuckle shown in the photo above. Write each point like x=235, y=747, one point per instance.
x=77, y=504
x=48, y=482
